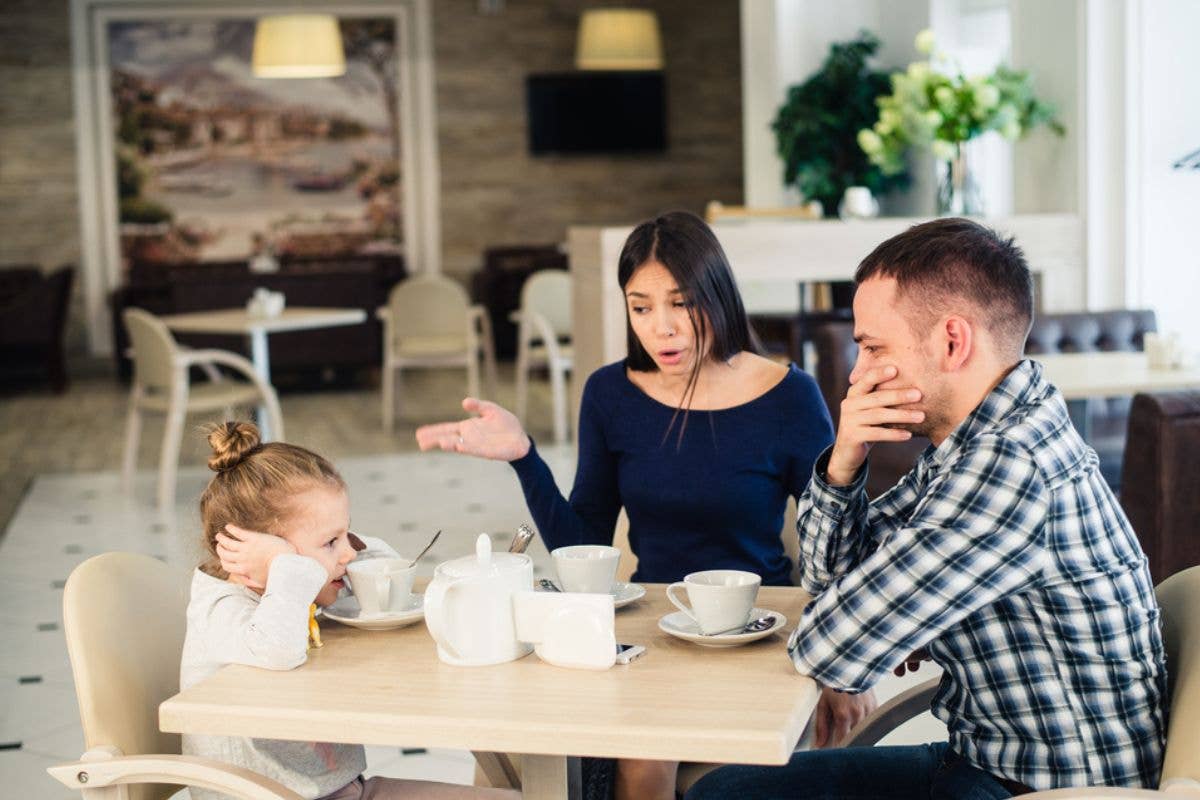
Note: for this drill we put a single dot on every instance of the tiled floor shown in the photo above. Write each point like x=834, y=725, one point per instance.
x=66, y=517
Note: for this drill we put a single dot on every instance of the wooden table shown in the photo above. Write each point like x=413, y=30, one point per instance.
x=1082, y=375
x=256, y=328
x=679, y=702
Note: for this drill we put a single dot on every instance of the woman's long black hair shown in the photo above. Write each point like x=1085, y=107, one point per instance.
x=688, y=249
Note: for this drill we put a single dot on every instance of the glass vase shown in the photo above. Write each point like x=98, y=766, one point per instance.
x=958, y=194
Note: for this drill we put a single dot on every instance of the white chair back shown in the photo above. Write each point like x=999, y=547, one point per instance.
x=124, y=616
x=153, y=350
x=1179, y=598
x=427, y=305
x=548, y=292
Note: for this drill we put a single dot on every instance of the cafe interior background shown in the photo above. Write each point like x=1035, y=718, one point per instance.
x=145, y=164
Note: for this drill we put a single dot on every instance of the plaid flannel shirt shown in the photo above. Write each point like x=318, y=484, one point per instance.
x=1006, y=555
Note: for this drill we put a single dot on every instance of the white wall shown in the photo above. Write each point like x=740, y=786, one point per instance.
x=784, y=42
x=1164, y=85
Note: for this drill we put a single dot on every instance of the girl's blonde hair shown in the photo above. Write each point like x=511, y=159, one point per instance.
x=253, y=484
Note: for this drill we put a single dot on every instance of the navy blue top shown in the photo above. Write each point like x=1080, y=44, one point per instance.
x=714, y=501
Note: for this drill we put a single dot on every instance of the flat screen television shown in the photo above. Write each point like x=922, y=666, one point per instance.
x=596, y=112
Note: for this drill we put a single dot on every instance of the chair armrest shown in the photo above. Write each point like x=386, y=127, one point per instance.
x=188, y=358
x=477, y=314
x=104, y=767
x=1101, y=793
x=892, y=714
x=198, y=358
x=549, y=338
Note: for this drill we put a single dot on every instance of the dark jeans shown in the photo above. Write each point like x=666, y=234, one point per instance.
x=856, y=773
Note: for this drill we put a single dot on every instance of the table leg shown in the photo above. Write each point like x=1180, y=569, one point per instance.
x=550, y=778
x=260, y=357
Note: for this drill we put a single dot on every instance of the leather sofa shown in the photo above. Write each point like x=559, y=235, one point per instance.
x=33, y=317
x=1075, y=332
x=1089, y=332
x=1160, y=479
x=352, y=282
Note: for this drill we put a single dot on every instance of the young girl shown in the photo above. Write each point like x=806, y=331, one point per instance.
x=251, y=597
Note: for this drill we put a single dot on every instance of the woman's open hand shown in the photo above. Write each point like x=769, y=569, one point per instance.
x=492, y=432
x=247, y=555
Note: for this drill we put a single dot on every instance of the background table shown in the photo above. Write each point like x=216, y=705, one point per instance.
x=679, y=702
x=1082, y=375
x=256, y=328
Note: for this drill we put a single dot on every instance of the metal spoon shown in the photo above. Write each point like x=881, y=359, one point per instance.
x=522, y=539
x=426, y=550
x=753, y=626
x=548, y=585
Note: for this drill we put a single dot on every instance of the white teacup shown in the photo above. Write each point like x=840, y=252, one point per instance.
x=589, y=568
x=382, y=584
x=722, y=599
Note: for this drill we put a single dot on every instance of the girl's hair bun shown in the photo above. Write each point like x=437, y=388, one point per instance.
x=232, y=443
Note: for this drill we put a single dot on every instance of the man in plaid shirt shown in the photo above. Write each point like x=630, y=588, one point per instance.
x=1002, y=556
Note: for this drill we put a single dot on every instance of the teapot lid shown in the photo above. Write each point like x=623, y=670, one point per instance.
x=484, y=562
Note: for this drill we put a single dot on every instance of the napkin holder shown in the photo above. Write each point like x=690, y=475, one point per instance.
x=265, y=303
x=568, y=629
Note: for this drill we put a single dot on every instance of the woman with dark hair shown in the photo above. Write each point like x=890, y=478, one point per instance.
x=695, y=434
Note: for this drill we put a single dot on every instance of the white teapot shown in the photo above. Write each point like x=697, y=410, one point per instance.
x=469, y=610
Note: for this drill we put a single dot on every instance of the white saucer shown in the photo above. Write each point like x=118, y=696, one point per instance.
x=680, y=625
x=623, y=593
x=626, y=593
x=346, y=611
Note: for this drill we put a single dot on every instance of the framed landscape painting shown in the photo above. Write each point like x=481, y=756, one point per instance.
x=197, y=160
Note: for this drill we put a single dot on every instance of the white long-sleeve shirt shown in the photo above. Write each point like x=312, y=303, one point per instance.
x=230, y=624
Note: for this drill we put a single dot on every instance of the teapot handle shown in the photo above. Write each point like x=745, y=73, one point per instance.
x=435, y=614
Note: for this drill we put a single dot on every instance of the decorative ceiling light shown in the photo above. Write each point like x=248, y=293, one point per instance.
x=619, y=38
x=298, y=46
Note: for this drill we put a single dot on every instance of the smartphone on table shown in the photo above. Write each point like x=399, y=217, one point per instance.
x=629, y=652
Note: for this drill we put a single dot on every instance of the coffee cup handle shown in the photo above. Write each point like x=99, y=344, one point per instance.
x=671, y=596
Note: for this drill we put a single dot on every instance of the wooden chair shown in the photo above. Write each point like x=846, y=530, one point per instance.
x=124, y=617
x=1179, y=598
x=543, y=322
x=161, y=385
x=430, y=322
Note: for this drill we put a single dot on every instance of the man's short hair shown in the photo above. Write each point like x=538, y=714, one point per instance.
x=936, y=262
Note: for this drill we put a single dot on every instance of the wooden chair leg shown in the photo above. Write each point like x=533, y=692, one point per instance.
x=522, y=405
x=473, y=374
x=389, y=397
x=498, y=770
x=133, y=435
x=168, y=462
x=558, y=390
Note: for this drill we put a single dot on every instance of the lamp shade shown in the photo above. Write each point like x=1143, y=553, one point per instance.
x=618, y=38
x=298, y=46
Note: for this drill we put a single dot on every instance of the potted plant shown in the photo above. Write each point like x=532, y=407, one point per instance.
x=932, y=104
x=816, y=127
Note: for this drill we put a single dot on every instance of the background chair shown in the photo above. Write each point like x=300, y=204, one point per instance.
x=33, y=317
x=124, y=617
x=162, y=384
x=429, y=322
x=543, y=323
x=1179, y=598
x=1160, y=478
